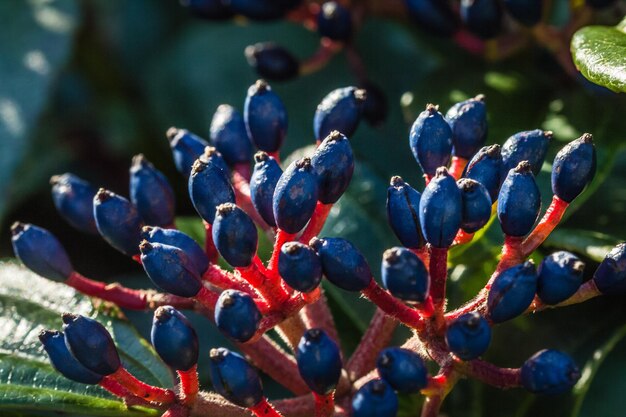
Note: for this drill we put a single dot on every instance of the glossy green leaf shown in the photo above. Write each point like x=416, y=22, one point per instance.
x=591, y=244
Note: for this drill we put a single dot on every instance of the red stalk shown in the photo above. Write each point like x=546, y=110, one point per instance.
x=177, y=410
x=318, y=315
x=324, y=404
x=242, y=196
x=189, y=385
x=209, y=246
x=462, y=237
x=316, y=223
x=393, y=307
x=223, y=279
x=207, y=298
x=122, y=296
x=457, y=166
x=264, y=409
x=270, y=288
x=489, y=373
x=438, y=275
x=282, y=237
x=548, y=223
x=327, y=49
x=141, y=389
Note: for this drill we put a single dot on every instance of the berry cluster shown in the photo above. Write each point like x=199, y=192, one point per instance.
x=467, y=184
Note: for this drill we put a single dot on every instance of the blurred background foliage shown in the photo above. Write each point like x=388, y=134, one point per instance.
x=85, y=85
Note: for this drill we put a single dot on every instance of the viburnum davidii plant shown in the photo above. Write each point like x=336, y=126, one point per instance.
x=467, y=185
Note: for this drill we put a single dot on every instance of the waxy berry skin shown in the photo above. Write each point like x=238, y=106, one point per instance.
x=340, y=110
x=295, y=196
x=174, y=338
x=468, y=336
x=519, y=201
x=265, y=117
x=235, y=235
x=476, y=205
x=186, y=148
x=272, y=62
x=549, y=372
x=405, y=275
x=229, y=136
x=334, y=21
x=299, y=266
x=530, y=146
x=118, y=221
x=319, y=361
x=512, y=292
x=170, y=269
x=176, y=238
x=376, y=106
x=431, y=140
x=208, y=9
x=610, y=277
x=234, y=378
x=333, y=163
x=209, y=187
x=236, y=315
x=441, y=210
x=91, y=344
x=482, y=17
x=574, y=167
x=263, y=182
x=73, y=199
x=468, y=121
x=486, y=168
x=151, y=193
x=212, y=156
x=403, y=213
x=342, y=263
x=560, y=276
x=62, y=360
x=403, y=369
x=433, y=15
x=527, y=12
x=41, y=252
x=375, y=399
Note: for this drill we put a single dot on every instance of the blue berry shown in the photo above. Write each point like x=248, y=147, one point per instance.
x=41, y=252
x=441, y=210
x=486, y=168
x=574, y=167
x=174, y=338
x=340, y=110
x=482, y=17
x=91, y=344
x=527, y=12
x=272, y=61
x=435, y=16
x=186, y=148
x=476, y=205
x=235, y=235
x=468, y=336
x=319, y=361
x=519, y=201
x=170, y=269
x=342, y=263
x=376, y=107
x=62, y=360
x=73, y=199
x=560, y=276
x=265, y=117
x=118, y=221
x=299, y=266
x=530, y=146
x=610, y=277
x=468, y=121
x=431, y=140
x=151, y=193
x=549, y=372
x=333, y=162
x=176, y=238
x=212, y=156
x=512, y=292
x=209, y=187
x=334, y=21
x=295, y=196
x=228, y=135
x=375, y=399
x=403, y=369
x=405, y=275
x=208, y=9
x=236, y=315
x=234, y=378
x=403, y=213
x=263, y=182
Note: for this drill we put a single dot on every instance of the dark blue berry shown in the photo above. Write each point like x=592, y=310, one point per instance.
x=186, y=148
x=340, y=110
x=435, y=16
x=468, y=336
x=482, y=17
x=265, y=117
x=476, y=205
x=549, y=372
x=62, y=360
x=174, y=338
x=333, y=162
x=375, y=399
x=272, y=61
x=41, y=252
x=73, y=199
x=512, y=292
x=170, y=269
x=234, y=378
x=151, y=193
x=486, y=168
x=299, y=266
x=236, y=315
x=342, y=263
x=530, y=146
x=295, y=196
x=209, y=186
x=468, y=121
x=403, y=369
x=431, y=140
x=118, y=221
x=334, y=21
x=263, y=182
x=405, y=275
x=319, y=361
x=403, y=213
x=527, y=12
x=176, y=238
x=574, y=167
x=228, y=135
x=235, y=235
x=441, y=210
x=208, y=9
x=91, y=344
x=519, y=201
x=599, y=4
x=610, y=277
x=212, y=156
x=376, y=107
x=560, y=276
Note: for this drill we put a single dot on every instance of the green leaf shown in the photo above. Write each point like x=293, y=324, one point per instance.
x=591, y=244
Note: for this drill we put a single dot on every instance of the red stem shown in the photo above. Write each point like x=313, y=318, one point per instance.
x=457, y=166
x=122, y=296
x=316, y=223
x=491, y=374
x=319, y=316
x=270, y=288
x=324, y=404
x=393, y=307
x=242, y=196
x=438, y=275
x=423, y=254
x=244, y=170
x=209, y=246
x=207, y=298
x=548, y=223
x=282, y=237
x=189, y=385
x=462, y=237
x=116, y=389
x=325, y=52
x=264, y=409
x=431, y=406
x=177, y=410
x=223, y=279
x=141, y=389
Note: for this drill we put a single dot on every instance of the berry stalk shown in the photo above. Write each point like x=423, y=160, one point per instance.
x=457, y=165
x=189, y=385
x=316, y=223
x=546, y=225
x=393, y=307
x=141, y=389
x=317, y=315
x=209, y=246
x=489, y=373
x=438, y=270
x=264, y=409
x=324, y=404
x=282, y=237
